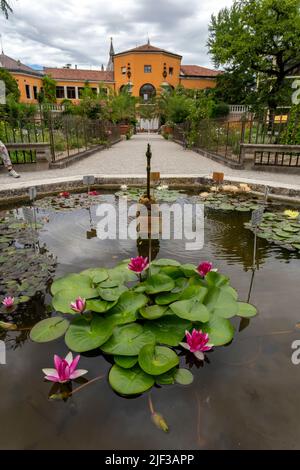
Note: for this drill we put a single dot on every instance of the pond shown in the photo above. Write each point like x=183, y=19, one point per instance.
x=244, y=395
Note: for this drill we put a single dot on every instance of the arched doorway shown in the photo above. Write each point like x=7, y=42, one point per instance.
x=147, y=91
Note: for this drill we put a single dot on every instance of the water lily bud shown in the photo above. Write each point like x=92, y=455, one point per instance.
x=160, y=422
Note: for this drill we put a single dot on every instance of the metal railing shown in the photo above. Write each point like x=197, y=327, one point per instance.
x=67, y=135
x=224, y=138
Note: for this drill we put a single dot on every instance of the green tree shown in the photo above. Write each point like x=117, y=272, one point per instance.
x=261, y=37
x=11, y=85
x=49, y=90
x=236, y=87
x=5, y=8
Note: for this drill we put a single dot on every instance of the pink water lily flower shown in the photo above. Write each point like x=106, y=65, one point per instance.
x=8, y=302
x=138, y=264
x=79, y=305
x=64, y=369
x=204, y=268
x=197, y=343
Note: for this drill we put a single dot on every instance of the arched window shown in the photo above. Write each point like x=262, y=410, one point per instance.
x=147, y=91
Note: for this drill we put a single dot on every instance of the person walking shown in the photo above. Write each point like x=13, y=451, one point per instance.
x=7, y=161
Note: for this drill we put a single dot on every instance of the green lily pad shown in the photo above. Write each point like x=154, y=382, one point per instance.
x=220, y=330
x=129, y=381
x=165, y=262
x=111, y=294
x=78, y=283
x=156, y=360
x=99, y=306
x=127, y=307
x=246, y=310
x=127, y=362
x=188, y=269
x=221, y=303
x=49, y=329
x=184, y=377
x=168, y=378
x=167, y=298
x=168, y=330
x=153, y=312
x=190, y=310
x=84, y=335
x=97, y=275
x=128, y=340
x=159, y=283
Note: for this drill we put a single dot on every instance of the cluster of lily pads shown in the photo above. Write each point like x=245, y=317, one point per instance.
x=67, y=201
x=160, y=193
x=142, y=323
x=280, y=228
x=227, y=202
x=25, y=269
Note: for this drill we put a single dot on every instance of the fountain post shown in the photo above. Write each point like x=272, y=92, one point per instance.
x=149, y=156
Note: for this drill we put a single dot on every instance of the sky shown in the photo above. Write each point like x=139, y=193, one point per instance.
x=56, y=32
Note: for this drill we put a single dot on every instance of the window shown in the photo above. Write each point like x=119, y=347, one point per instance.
x=147, y=68
x=123, y=70
x=95, y=91
x=27, y=89
x=35, y=92
x=60, y=92
x=171, y=71
x=147, y=91
x=71, y=93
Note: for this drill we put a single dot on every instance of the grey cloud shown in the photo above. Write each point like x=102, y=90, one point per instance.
x=78, y=31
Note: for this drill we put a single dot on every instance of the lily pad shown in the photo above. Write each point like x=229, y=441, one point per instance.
x=190, y=310
x=49, y=329
x=111, y=294
x=165, y=262
x=84, y=335
x=129, y=381
x=99, y=306
x=128, y=340
x=221, y=303
x=246, y=310
x=127, y=307
x=220, y=330
x=156, y=360
x=127, y=362
x=80, y=283
x=153, y=312
x=159, y=283
x=184, y=377
x=168, y=330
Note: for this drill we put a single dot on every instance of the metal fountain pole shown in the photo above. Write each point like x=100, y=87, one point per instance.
x=149, y=156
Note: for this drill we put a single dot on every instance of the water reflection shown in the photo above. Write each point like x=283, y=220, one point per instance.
x=243, y=395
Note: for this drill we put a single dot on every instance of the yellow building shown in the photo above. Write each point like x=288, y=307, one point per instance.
x=144, y=71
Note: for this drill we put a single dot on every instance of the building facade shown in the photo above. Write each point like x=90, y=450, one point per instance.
x=144, y=71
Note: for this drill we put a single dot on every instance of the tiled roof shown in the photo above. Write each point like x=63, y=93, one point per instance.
x=197, y=71
x=79, y=74
x=147, y=48
x=15, y=65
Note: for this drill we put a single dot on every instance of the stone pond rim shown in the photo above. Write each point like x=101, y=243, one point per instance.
x=18, y=192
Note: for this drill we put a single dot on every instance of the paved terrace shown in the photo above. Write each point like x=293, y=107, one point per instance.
x=127, y=159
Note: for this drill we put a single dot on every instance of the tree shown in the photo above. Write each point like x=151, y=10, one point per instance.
x=235, y=87
x=49, y=90
x=11, y=85
x=5, y=8
x=261, y=37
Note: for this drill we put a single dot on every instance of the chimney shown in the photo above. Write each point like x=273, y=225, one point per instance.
x=76, y=66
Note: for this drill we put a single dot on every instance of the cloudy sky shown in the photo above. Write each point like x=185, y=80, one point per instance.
x=56, y=32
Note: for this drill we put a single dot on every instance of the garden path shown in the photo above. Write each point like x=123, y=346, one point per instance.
x=127, y=158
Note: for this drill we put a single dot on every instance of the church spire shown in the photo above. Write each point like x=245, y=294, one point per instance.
x=110, y=65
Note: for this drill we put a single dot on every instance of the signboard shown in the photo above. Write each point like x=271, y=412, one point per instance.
x=155, y=176
x=32, y=193
x=88, y=180
x=257, y=216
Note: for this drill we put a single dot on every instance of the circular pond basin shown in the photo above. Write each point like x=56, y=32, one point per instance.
x=244, y=395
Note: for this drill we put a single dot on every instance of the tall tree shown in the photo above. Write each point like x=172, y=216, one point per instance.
x=5, y=7
x=260, y=37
